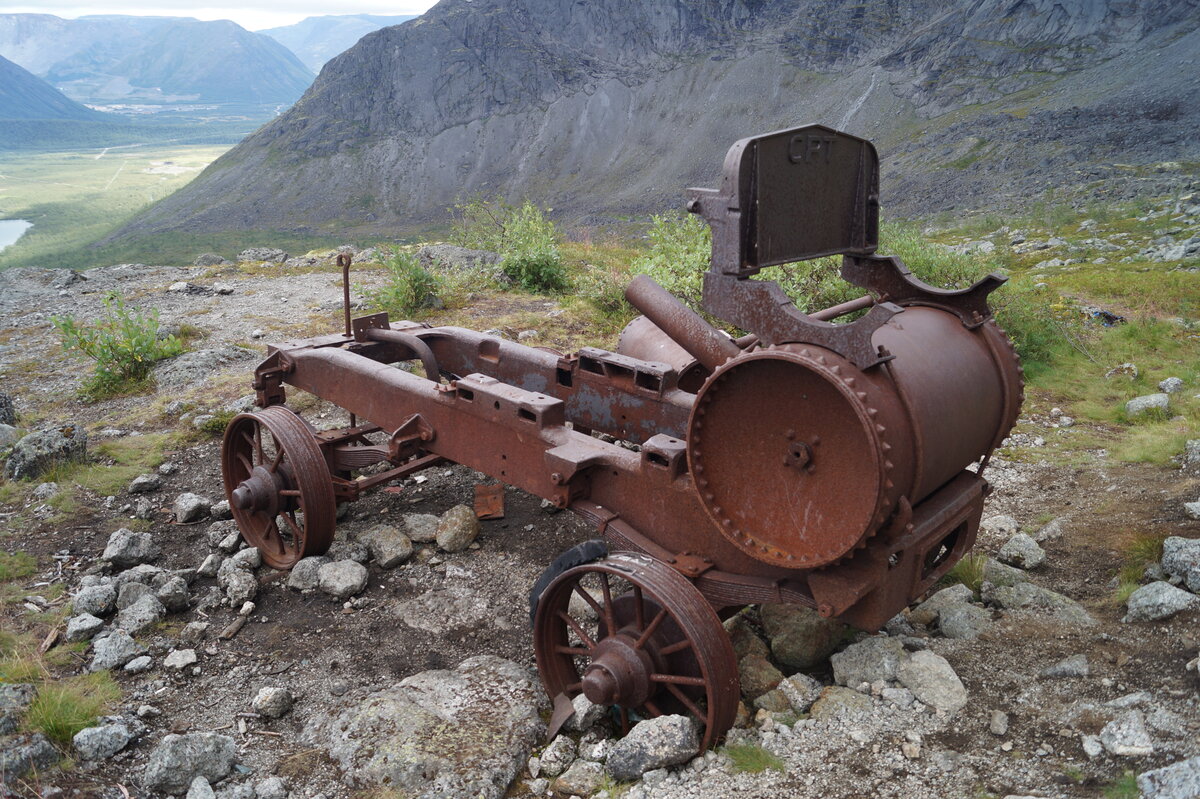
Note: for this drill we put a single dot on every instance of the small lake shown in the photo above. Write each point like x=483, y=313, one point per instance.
x=11, y=230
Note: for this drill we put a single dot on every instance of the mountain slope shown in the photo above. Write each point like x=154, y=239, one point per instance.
x=315, y=40
x=153, y=59
x=616, y=106
x=25, y=96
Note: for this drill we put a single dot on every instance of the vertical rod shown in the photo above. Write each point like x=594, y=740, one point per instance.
x=343, y=260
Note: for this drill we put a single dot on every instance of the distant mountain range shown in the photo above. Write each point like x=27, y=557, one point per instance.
x=316, y=40
x=603, y=108
x=24, y=95
x=124, y=59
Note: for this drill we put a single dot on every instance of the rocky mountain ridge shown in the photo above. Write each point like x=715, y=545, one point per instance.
x=25, y=96
x=315, y=40
x=606, y=108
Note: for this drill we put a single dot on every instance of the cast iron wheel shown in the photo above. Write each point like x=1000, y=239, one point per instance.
x=641, y=639
x=278, y=484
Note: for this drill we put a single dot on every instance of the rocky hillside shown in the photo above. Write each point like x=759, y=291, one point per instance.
x=315, y=40
x=25, y=96
x=111, y=59
x=598, y=108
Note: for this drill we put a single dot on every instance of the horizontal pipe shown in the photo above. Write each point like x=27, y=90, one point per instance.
x=418, y=347
x=834, y=311
x=703, y=341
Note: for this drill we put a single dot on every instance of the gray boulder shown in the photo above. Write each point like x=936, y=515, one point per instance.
x=800, y=637
x=421, y=527
x=9, y=435
x=8, y=413
x=83, y=627
x=1027, y=596
x=237, y=582
x=870, y=660
x=270, y=788
x=180, y=759
x=1126, y=735
x=757, y=676
x=114, y=650
x=273, y=702
x=389, y=547
x=141, y=615
x=449, y=257
x=1170, y=385
x=342, y=578
x=466, y=732
x=25, y=753
x=1140, y=406
x=102, y=742
x=839, y=702
x=98, y=600
x=556, y=757
x=209, y=259
x=1177, y=781
x=126, y=548
x=305, y=574
x=174, y=594
x=14, y=699
x=191, y=507
x=180, y=659
x=927, y=612
x=270, y=254
x=131, y=592
x=1191, y=456
x=1022, y=551
x=1074, y=666
x=191, y=367
x=145, y=484
x=964, y=621
x=38, y=451
x=457, y=529
x=348, y=550
x=653, y=743
x=999, y=574
x=1181, y=558
x=1158, y=600
x=200, y=789
x=801, y=691
x=933, y=681
x=583, y=778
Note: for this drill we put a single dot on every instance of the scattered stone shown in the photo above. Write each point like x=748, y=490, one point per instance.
x=138, y=665
x=114, y=650
x=457, y=529
x=1004, y=527
x=237, y=582
x=98, y=600
x=26, y=753
x=964, y=622
x=143, y=574
x=1150, y=402
x=200, y=789
x=270, y=788
x=1191, y=456
x=342, y=579
x=586, y=713
x=1123, y=370
x=44, y=491
x=180, y=659
x=1171, y=385
x=932, y=681
x=1192, y=509
x=270, y=254
x=14, y=699
x=230, y=543
x=801, y=691
x=800, y=637
x=273, y=702
x=466, y=732
x=193, y=633
x=421, y=527
x=757, y=676
x=221, y=510
x=191, y=507
x=247, y=559
x=209, y=259
x=8, y=413
x=1027, y=596
x=1074, y=666
x=998, y=723
x=389, y=547
x=101, y=743
x=9, y=435
x=653, y=743
x=556, y=757
x=999, y=574
x=174, y=594
x=870, y=660
x=145, y=484
x=126, y=548
x=1158, y=600
x=839, y=702
x=210, y=566
x=34, y=454
x=1022, y=551
x=305, y=574
x=1177, y=781
x=1126, y=735
x=583, y=778
x=1181, y=558
x=141, y=615
x=1091, y=745
x=928, y=611
x=348, y=550
x=83, y=627
x=197, y=365
x=180, y=759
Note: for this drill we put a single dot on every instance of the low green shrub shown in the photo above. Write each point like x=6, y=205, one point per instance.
x=124, y=344
x=526, y=239
x=752, y=759
x=409, y=287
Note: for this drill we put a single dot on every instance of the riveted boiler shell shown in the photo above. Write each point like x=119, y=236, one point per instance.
x=787, y=458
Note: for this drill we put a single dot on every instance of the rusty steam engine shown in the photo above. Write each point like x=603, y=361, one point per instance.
x=807, y=462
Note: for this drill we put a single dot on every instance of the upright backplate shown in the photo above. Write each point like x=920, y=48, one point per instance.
x=792, y=195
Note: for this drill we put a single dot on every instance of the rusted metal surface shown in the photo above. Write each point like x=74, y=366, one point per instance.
x=489, y=501
x=805, y=461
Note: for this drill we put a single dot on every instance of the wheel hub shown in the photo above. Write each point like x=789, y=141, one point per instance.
x=258, y=492
x=619, y=673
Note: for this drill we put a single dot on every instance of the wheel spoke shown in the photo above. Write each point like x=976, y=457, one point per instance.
x=275, y=463
x=289, y=492
x=245, y=462
x=624, y=721
x=687, y=702
x=272, y=534
x=258, y=447
x=572, y=650
x=574, y=625
x=639, y=609
x=588, y=598
x=678, y=646
x=296, y=531
x=649, y=631
x=652, y=709
x=610, y=616
x=249, y=439
x=677, y=679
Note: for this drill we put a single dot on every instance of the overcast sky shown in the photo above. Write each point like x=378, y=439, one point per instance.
x=252, y=14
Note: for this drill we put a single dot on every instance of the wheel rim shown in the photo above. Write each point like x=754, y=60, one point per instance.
x=278, y=486
x=654, y=647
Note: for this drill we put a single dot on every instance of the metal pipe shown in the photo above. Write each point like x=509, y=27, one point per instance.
x=343, y=260
x=420, y=348
x=703, y=341
x=834, y=311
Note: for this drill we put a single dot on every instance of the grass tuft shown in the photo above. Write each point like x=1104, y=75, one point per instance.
x=67, y=706
x=752, y=759
x=1124, y=787
x=968, y=571
x=16, y=565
